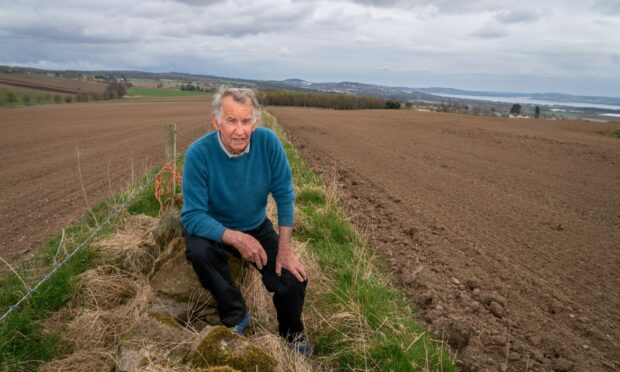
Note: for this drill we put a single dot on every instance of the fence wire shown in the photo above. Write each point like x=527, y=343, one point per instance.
x=76, y=250
x=84, y=243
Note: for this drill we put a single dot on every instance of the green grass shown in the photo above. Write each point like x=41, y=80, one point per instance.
x=23, y=345
x=162, y=92
x=616, y=133
x=371, y=309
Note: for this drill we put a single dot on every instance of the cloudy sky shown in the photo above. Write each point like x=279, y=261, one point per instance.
x=568, y=46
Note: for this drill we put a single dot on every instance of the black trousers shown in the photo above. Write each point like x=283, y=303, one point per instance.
x=210, y=261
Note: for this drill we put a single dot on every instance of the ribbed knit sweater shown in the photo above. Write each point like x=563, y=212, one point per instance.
x=231, y=192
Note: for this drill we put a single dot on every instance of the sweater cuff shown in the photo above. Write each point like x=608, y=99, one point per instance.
x=217, y=233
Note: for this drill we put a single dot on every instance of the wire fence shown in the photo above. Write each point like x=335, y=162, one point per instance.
x=79, y=247
x=187, y=138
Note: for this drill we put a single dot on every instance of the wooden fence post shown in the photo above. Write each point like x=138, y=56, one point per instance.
x=170, y=152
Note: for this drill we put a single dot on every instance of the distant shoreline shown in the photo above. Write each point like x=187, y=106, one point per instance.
x=530, y=101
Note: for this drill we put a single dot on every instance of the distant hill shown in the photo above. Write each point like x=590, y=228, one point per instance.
x=429, y=95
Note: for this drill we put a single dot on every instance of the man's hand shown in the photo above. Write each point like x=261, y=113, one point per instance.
x=249, y=248
x=286, y=258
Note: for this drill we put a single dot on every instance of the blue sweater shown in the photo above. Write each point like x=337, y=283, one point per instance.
x=221, y=192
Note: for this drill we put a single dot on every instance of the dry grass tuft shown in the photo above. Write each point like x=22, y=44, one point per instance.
x=157, y=363
x=288, y=359
x=132, y=247
x=106, y=287
x=103, y=328
x=88, y=360
x=258, y=300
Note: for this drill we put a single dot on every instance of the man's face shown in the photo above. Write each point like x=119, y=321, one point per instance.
x=236, y=126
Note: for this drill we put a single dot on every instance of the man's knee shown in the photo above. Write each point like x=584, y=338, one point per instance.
x=199, y=249
x=290, y=284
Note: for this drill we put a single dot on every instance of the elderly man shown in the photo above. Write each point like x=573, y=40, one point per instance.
x=228, y=175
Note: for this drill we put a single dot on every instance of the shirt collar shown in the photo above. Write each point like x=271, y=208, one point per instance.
x=228, y=153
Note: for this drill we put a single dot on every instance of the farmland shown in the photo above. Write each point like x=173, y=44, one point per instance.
x=504, y=232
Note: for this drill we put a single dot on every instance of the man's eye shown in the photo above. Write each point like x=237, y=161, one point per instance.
x=247, y=122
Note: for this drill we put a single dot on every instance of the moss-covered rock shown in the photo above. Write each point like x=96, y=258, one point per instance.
x=219, y=346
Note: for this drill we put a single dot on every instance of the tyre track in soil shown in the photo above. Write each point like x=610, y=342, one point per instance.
x=503, y=232
x=40, y=180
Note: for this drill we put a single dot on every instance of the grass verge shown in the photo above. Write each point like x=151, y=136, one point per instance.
x=23, y=344
x=358, y=322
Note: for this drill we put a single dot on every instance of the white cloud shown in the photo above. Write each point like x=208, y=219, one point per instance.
x=363, y=40
x=284, y=52
x=324, y=40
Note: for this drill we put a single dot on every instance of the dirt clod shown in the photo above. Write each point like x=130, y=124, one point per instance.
x=562, y=365
x=496, y=309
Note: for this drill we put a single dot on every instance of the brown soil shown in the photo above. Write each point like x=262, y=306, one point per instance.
x=505, y=233
x=51, y=84
x=41, y=186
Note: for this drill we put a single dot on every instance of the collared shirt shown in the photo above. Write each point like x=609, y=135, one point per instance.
x=228, y=153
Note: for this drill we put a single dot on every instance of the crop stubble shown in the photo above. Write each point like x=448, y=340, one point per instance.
x=39, y=146
x=503, y=232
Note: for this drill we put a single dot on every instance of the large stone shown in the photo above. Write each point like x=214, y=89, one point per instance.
x=153, y=336
x=179, y=292
x=219, y=346
x=174, y=277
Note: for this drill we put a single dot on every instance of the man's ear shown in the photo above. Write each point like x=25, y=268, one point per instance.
x=214, y=123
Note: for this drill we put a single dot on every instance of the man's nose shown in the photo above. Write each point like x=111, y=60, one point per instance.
x=238, y=129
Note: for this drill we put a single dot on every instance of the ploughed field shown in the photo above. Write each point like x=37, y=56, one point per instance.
x=51, y=84
x=41, y=186
x=505, y=233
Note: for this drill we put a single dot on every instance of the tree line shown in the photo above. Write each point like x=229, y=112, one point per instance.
x=337, y=101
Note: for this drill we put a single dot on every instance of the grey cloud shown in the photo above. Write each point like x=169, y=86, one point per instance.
x=519, y=16
x=200, y=3
x=608, y=6
x=445, y=6
x=379, y=3
x=490, y=31
x=253, y=20
x=66, y=34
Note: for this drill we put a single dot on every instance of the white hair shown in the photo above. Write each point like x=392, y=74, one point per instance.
x=239, y=95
